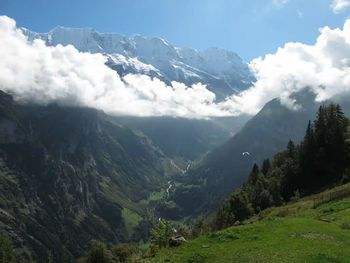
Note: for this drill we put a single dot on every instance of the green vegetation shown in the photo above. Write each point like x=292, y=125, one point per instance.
x=292, y=233
x=310, y=229
x=156, y=196
x=321, y=160
x=161, y=233
x=62, y=187
x=100, y=180
x=99, y=252
x=7, y=254
x=131, y=220
x=225, y=169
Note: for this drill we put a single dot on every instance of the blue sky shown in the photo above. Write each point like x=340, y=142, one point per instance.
x=250, y=28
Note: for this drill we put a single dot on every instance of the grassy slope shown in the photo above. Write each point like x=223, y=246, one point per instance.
x=292, y=233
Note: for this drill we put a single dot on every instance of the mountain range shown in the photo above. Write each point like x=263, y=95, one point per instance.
x=223, y=71
x=72, y=174
x=69, y=174
x=227, y=166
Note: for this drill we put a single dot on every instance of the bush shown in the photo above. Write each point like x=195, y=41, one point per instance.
x=6, y=251
x=122, y=252
x=99, y=253
x=161, y=233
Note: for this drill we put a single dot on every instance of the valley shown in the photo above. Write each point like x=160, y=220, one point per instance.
x=81, y=170
x=119, y=174
x=160, y=143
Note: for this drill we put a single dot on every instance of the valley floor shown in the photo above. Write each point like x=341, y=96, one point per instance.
x=293, y=233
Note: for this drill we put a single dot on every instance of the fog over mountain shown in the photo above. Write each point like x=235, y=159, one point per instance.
x=156, y=79
x=221, y=70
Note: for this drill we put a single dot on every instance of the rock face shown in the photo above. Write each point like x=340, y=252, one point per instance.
x=223, y=71
x=65, y=176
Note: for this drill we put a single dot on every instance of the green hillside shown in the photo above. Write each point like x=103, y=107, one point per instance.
x=225, y=168
x=69, y=175
x=296, y=232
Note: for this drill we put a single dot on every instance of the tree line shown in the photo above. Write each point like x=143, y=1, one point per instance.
x=319, y=161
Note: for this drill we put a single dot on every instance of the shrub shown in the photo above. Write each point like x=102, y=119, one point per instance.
x=98, y=253
x=122, y=252
x=6, y=251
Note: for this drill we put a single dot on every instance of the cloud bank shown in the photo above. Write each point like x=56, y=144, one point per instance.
x=323, y=68
x=41, y=74
x=339, y=5
x=32, y=71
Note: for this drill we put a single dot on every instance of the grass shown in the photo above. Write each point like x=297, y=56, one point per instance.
x=156, y=196
x=293, y=233
x=131, y=220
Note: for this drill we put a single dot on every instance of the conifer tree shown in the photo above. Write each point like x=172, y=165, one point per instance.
x=266, y=165
x=254, y=175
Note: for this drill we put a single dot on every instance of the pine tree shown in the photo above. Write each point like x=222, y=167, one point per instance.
x=291, y=149
x=240, y=207
x=320, y=160
x=261, y=197
x=266, y=165
x=306, y=156
x=320, y=127
x=254, y=175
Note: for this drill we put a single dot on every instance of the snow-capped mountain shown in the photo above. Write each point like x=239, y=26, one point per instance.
x=222, y=71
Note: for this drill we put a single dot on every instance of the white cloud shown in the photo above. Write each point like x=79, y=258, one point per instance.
x=42, y=74
x=324, y=68
x=339, y=5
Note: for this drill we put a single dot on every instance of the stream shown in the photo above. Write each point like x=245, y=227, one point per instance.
x=169, y=187
x=183, y=172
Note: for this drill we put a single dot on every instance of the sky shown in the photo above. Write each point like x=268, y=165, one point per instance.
x=250, y=28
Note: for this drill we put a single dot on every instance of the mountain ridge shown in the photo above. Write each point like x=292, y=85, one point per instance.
x=226, y=167
x=223, y=71
x=70, y=170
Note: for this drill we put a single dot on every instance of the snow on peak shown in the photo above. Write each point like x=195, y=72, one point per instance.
x=223, y=61
x=154, y=48
x=222, y=71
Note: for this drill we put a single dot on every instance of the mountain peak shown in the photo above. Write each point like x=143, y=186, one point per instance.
x=221, y=70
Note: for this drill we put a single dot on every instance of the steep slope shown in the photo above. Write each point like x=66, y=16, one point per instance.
x=223, y=71
x=226, y=167
x=297, y=232
x=69, y=175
